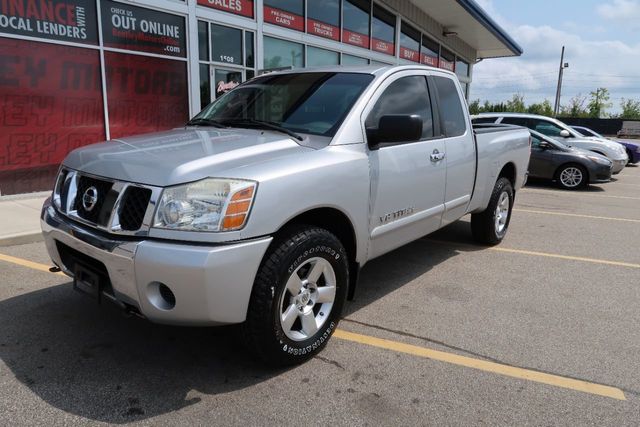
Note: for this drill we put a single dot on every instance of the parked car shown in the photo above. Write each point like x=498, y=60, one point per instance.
x=264, y=207
x=632, y=147
x=571, y=168
x=556, y=129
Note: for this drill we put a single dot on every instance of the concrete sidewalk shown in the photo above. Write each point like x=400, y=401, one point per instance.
x=20, y=218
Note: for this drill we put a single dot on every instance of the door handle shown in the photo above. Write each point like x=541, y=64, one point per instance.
x=436, y=156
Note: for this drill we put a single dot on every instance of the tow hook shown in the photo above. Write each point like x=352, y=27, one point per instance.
x=55, y=269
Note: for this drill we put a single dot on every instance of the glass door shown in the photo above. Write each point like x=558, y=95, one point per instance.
x=224, y=79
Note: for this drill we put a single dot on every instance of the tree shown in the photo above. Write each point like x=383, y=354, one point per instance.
x=475, y=107
x=575, y=108
x=630, y=109
x=516, y=104
x=543, y=108
x=598, y=102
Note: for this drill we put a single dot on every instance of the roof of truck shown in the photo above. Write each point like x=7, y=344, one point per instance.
x=363, y=69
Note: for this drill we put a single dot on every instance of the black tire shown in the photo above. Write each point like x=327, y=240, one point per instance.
x=584, y=180
x=483, y=224
x=290, y=252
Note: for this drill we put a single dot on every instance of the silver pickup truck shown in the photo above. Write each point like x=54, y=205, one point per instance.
x=263, y=208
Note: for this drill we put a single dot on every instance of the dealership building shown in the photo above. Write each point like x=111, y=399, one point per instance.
x=75, y=72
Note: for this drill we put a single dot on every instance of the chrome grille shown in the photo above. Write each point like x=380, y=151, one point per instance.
x=120, y=207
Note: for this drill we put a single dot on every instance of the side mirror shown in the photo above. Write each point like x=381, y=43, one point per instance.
x=395, y=128
x=565, y=133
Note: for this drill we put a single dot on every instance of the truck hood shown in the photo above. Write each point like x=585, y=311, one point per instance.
x=181, y=155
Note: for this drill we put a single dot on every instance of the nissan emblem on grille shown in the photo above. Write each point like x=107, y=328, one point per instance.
x=90, y=198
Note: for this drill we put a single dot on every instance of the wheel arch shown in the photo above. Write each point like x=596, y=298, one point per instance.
x=339, y=224
x=508, y=171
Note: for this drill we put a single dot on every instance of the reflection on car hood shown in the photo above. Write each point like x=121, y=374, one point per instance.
x=180, y=155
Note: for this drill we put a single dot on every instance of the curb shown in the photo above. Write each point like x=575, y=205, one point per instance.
x=21, y=238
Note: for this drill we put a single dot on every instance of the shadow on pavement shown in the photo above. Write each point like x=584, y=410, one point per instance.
x=91, y=361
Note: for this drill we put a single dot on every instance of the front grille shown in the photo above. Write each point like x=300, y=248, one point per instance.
x=100, y=212
x=133, y=208
x=132, y=201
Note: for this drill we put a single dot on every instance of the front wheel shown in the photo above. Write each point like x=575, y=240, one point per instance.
x=571, y=177
x=297, y=297
x=490, y=226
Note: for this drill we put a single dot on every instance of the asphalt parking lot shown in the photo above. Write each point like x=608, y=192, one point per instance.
x=541, y=330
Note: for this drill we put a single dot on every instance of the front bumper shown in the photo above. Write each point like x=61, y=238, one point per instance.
x=211, y=284
x=618, y=165
x=600, y=173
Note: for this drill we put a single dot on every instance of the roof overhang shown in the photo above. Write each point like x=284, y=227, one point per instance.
x=473, y=26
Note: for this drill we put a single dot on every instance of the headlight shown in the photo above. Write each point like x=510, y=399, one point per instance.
x=601, y=160
x=208, y=205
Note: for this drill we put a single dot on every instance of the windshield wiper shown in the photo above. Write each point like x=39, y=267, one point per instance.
x=198, y=121
x=263, y=124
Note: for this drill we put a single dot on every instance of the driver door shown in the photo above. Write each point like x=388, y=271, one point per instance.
x=407, y=178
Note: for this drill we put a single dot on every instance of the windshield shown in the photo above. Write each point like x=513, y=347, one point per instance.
x=314, y=103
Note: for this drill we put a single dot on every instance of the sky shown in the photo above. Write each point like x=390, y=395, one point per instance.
x=602, y=47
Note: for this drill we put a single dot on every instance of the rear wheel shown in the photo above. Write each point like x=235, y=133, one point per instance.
x=297, y=297
x=490, y=227
x=571, y=177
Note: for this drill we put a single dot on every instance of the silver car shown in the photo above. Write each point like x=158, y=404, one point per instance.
x=556, y=129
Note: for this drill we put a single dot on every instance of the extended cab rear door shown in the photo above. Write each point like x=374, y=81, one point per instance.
x=407, y=178
x=457, y=134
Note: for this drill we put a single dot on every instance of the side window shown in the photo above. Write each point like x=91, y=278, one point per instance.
x=407, y=95
x=451, y=112
x=546, y=128
x=518, y=121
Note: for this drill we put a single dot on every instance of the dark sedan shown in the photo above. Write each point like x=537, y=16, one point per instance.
x=571, y=168
x=632, y=147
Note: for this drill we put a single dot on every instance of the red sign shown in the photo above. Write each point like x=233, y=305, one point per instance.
x=383, y=46
x=145, y=94
x=446, y=65
x=429, y=60
x=50, y=102
x=321, y=29
x=237, y=7
x=355, y=39
x=410, y=54
x=283, y=18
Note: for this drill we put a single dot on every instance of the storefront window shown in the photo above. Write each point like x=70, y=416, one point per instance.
x=355, y=22
x=203, y=40
x=430, y=52
x=205, y=86
x=248, y=49
x=323, y=18
x=145, y=94
x=447, y=59
x=51, y=103
x=353, y=60
x=281, y=53
x=237, y=7
x=462, y=68
x=383, y=31
x=317, y=57
x=409, y=43
x=227, y=44
x=137, y=28
x=286, y=13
